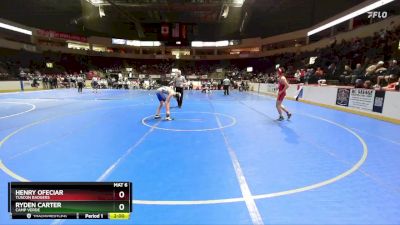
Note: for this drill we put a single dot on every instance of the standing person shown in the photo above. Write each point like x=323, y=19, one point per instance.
x=73, y=81
x=79, y=80
x=283, y=86
x=179, y=83
x=95, y=84
x=164, y=95
x=226, y=83
x=55, y=82
x=45, y=82
x=22, y=76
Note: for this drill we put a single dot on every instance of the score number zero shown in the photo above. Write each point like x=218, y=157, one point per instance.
x=121, y=194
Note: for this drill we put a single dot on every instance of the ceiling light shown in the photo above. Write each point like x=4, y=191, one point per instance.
x=16, y=29
x=350, y=16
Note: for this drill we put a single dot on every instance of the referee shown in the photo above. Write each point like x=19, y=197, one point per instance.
x=226, y=83
x=179, y=83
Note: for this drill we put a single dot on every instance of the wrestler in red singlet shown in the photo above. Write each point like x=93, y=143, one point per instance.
x=283, y=85
x=282, y=89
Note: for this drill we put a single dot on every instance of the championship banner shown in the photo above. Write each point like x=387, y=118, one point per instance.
x=61, y=35
x=175, y=30
x=183, y=31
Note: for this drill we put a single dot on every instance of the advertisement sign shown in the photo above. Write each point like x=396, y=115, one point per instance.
x=362, y=99
x=378, y=101
x=343, y=96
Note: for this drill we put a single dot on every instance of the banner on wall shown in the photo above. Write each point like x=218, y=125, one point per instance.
x=362, y=99
x=60, y=35
x=343, y=96
x=378, y=101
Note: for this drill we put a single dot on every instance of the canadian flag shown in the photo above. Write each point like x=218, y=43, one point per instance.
x=165, y=30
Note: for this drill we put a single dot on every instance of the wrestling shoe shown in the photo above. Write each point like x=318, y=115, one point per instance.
x=289, y=115
x=280, y=118
x=157, y=117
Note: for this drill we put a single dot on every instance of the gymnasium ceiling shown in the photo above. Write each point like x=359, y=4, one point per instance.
x=134, y=19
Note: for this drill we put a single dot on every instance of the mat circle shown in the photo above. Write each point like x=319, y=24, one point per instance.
x=231, y=118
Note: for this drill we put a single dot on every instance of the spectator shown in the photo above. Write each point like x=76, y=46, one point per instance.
x=45, y=82
x=394, y=86
x=333, y=72
x=393, y=71
x=320, y=76
x=345, y=78
x=297, y=75
x=372, y=70
x=309, y=76
x=358, y=73
x=367, y=84
x=359, y=83
x=319, y=73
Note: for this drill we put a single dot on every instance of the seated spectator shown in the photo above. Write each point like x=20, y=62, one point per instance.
x=320, y=76
x=309, y=75
x=333, y=72
x=297, y=75
x=319, y=73
x=345, y=78
x=359, y=83
x=367, y=84
x=358, y=73
x=394, y=86
x=393, y=71
x=302, y=75
x=372, y=70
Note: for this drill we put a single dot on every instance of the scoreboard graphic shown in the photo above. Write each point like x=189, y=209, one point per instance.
x=70, y=200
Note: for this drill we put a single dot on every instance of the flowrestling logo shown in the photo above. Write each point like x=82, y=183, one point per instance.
x=377, y=14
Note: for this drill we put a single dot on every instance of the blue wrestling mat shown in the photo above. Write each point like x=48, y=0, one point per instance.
x=223, y=160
